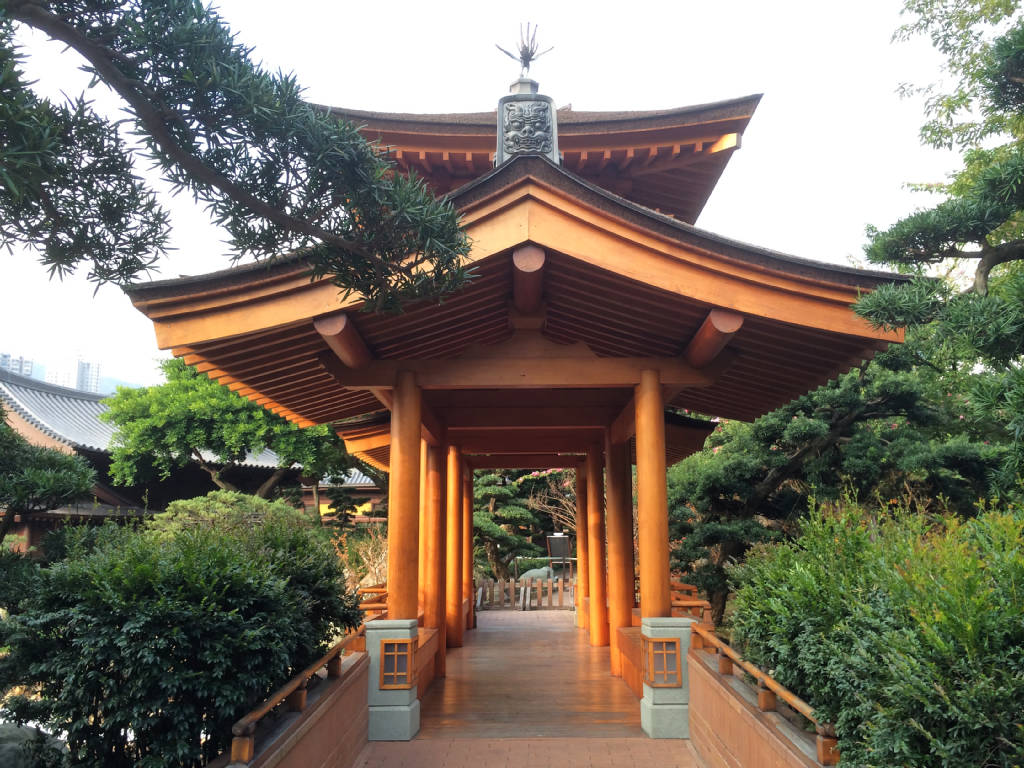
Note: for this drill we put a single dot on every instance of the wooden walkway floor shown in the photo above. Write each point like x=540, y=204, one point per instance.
x=528, y=690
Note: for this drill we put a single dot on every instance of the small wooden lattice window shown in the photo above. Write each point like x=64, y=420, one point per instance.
x=397, y=663
x=662, y=662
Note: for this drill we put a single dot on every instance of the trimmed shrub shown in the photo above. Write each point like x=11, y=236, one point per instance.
x=147, y=648
x=906, y=632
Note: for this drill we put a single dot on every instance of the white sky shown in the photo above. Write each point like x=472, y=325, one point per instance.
x=827, y=152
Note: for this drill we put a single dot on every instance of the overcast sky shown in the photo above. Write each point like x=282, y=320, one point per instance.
x=828, y=150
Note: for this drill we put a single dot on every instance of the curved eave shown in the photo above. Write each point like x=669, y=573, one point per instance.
x=531, y=200
x=666, y=159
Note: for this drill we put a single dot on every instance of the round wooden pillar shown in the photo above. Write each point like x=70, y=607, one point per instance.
x=434, y=552
x=467, y=547
x=619, y=513
x=652, y=497
x=404, y=499
x=424, y=530
x=453, y=547
x=598, y=624
x=582, y=568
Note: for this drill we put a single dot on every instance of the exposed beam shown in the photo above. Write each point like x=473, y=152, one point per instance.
x=524, y=460
x=503, y=418
x=711, y=338
x=525, y=442
x=368, y=443
x=431, y=427
x=527, y=278
x=341, y=335
x=624, y=425
x=520, y=373
x=728, y=141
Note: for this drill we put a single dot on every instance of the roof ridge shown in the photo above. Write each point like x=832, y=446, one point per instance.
x=45, y=386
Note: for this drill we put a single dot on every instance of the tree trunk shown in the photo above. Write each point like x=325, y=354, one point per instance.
x=271, y=483
x=725, y=552
x=316, y=503
x=499, y=567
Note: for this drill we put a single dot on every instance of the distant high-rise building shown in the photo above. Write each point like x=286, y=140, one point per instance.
x=88, y=379
x=83, y=375
x=19, y=365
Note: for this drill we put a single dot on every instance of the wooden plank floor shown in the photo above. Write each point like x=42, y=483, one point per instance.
x=528, y=674
x=527, y=689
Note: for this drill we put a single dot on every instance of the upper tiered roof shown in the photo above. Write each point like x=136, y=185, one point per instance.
x=668, y=160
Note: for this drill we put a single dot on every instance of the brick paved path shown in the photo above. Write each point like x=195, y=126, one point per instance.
x=528, y=691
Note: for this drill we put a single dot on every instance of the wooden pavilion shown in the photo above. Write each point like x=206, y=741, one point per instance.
x=598, y=311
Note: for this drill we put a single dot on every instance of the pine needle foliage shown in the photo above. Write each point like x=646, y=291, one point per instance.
x=277, y=173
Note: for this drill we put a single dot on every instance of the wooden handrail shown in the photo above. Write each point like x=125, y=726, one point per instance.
x=294, y=691
x=768, y=689
x=242, y=726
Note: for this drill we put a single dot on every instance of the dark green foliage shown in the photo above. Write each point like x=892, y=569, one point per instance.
x=503, y=525
x=876, y=432
x=1003, y=76
x=277, y=173
x=34, y=479
x=905, y=632
x=147, y=648
x=191, y=418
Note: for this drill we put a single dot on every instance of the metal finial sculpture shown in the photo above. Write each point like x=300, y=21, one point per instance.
x=527, y=49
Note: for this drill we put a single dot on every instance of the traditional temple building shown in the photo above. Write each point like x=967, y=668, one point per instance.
x=598, y=312
x=68, y=420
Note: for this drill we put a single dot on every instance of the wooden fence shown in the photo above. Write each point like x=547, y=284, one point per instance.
x=525, y=594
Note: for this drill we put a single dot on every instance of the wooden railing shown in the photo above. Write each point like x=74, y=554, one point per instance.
x=293, y=693
x=769, y=691
x=554, y=593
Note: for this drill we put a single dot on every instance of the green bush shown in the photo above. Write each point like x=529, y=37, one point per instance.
x=906, y=632
x=146, y=648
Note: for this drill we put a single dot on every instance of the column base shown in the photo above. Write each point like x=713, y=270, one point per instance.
x=665, y=721
x=394, y=723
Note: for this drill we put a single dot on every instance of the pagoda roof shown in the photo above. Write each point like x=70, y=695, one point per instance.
x=668, y=159
x=621, y=283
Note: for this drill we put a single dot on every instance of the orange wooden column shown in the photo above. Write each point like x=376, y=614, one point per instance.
x=652, y=497
x=424, y=533
x=467, y=546
x=404, y=499
x=453, y=547
x=595, y=548
x=619, y=513
x=434, y=553
x=582, y=566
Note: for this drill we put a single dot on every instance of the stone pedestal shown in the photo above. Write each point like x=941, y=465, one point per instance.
x=665, y=712
x=394, y=713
